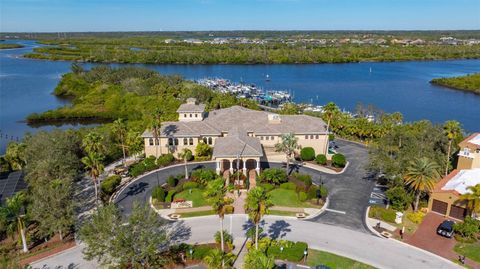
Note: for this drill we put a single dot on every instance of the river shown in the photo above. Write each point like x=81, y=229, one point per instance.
x=26, y=86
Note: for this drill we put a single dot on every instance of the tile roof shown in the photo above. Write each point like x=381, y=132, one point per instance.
x=237, y=143
x=472, y=141
x=462, y=180
x=191, y=107
x=225, y=119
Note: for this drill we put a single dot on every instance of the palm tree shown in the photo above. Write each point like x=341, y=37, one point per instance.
x=258, y=259
x=93, y=163
x=15, y=155
x=93, y=142
x=452, y=130
x=155, y=125
x=216, y=259
x=329, y=110
x=257, y=205
x=288, y=146
x=13, y=214
x=472, y=198
x=420, y=177
x=185, y=155
x=119, y=128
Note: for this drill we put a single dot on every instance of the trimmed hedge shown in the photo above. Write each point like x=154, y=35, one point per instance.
x=381, y=213
x=273, y=175
x=172, y=181
x=321, y=159
x=158, y=193
x=339, y=160
x=204, y=175
x=165, y=159
x=109, y=185
x=307, y=154
x=293, y=253
x=288, y=186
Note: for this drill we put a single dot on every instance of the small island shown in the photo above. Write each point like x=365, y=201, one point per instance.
x=468, y=83
x=10, y=46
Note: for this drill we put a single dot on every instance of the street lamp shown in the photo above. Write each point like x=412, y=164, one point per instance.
x=305, y=252
x=281, y=249
x=191, y=253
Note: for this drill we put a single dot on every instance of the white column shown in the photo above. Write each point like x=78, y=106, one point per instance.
x=231, y=166
x=258, y=167
x=244, y=167
x=218, y=167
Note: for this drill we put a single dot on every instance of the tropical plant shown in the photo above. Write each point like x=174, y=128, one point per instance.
x=273, y=175
x=185, y=155
x=93, y=142
x=119, y=130
x=155, y=126
x=216, y=259
x=472, y=197
x=288, y=145
x=329, y=111
x=452, y=130
x=257, y=205
x=93, y=163
x=256, y=259
x=15, y=155
x=13, y=215
x=420, y=177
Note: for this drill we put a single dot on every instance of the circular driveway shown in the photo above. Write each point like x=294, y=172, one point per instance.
x=349, y=192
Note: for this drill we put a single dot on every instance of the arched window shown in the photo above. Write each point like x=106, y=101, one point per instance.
x=176, y=141
x=185, y=141
x=209, y=140
x=306, y=137
x=316, y=136
x=190, y=115
x=157, y=142
x=150, y=141
x=205, y=140
x=170, y=141
x=184, y=115
x=272, y=138
x=191, y=141
x=196, y=115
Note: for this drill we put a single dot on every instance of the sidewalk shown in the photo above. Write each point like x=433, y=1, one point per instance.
x=240, y=251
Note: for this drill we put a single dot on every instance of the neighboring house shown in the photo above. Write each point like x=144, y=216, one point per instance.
x=445, y=195
x=238, y=135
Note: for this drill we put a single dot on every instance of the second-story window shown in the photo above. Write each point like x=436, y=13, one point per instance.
x=190, y=115
x=176, y=141
x=210, y=141
x=185, y=141
x=190, y=141
x=170, y=141
x=306, y=137
x=150, y=141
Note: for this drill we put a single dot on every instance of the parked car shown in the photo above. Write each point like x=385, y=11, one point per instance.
x=446, y=228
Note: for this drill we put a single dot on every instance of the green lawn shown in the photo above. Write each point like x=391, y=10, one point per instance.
x=196, y=196
x=317, y=257
x=289, y=198
x=197, y=214
x=470, y=250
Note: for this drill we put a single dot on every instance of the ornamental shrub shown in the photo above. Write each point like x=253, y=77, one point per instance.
x=229, y=209
x=381, y=213
x=399, y=198
x=302, y=196
x=227, y=238
x=137, y=169
x=158, y=193
x=203, y=150
x=165, y=159
x=307, y=154
x=150, y=163
x=172, y=181
x=190, y=185
x=109, y=185
x=338, y=160
x=288, y=186
x=202, y=176
x=469, y=228
x=321, y=159
x=273, y=175
x=305, y=178
x=415, y=217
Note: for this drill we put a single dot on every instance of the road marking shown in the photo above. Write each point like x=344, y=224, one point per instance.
x=335, y=211
x=377, y=195
x=303, y=266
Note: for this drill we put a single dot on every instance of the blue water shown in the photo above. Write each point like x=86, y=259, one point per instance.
x=26, y=87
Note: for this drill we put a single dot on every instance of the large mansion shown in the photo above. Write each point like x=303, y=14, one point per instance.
x=237, y=134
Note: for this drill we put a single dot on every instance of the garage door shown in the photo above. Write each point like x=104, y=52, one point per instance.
x=439, y=207
x=457, y=212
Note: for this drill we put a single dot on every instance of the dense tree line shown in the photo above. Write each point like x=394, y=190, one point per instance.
x=156, y=51
x=468, y=83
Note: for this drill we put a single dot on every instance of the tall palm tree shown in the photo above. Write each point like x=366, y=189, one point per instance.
x=421, y=175
x=93, y=163
x=452, y=130
x=185, y=155
x=93, y=142
x=216, y=191
x=288, y=146
x=120, y=129
x=13, y=214
x=329, y=111
x=257, y=205
x=155, y=125
x=472, y=198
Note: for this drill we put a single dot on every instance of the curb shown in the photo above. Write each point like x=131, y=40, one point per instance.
x=324, y=207
x=372, y=231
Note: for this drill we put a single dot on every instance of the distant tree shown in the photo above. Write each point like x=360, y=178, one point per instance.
x=257, y=205
x=329, y=111
x=133, y=243
x=93, y=163
x=288, y=145
x=94, y=142
x=12, y=214
x=77, y=68
x=155, y=126
x=185, y=155
x=421, y=175
x=203, y=150
x=134, y=142
x=452, y=130
x=15, y=155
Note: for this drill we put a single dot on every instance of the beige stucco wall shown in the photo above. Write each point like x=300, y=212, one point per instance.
x=319, y=145
x=163, y=148
x=446, y=197
x=473, y=159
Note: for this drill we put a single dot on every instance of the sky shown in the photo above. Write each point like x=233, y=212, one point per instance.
x=177, y=15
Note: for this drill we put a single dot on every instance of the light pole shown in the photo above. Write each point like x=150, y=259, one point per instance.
x=305, y=252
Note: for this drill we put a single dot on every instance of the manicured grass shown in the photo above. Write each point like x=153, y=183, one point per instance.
x=317, y=257
x=196, y=196
x=470, y=250
x=381, y=213
x=197, y=214
x=289, y=198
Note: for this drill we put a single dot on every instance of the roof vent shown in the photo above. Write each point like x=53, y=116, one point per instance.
x=274, y=118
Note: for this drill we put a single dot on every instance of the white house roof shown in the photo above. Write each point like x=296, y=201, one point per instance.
x=475, y=140
x=462, y=180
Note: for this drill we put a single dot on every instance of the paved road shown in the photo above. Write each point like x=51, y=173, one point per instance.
x=378, y=252
x=348, y=192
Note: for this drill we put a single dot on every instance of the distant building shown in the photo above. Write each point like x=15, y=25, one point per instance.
x=444, y=199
